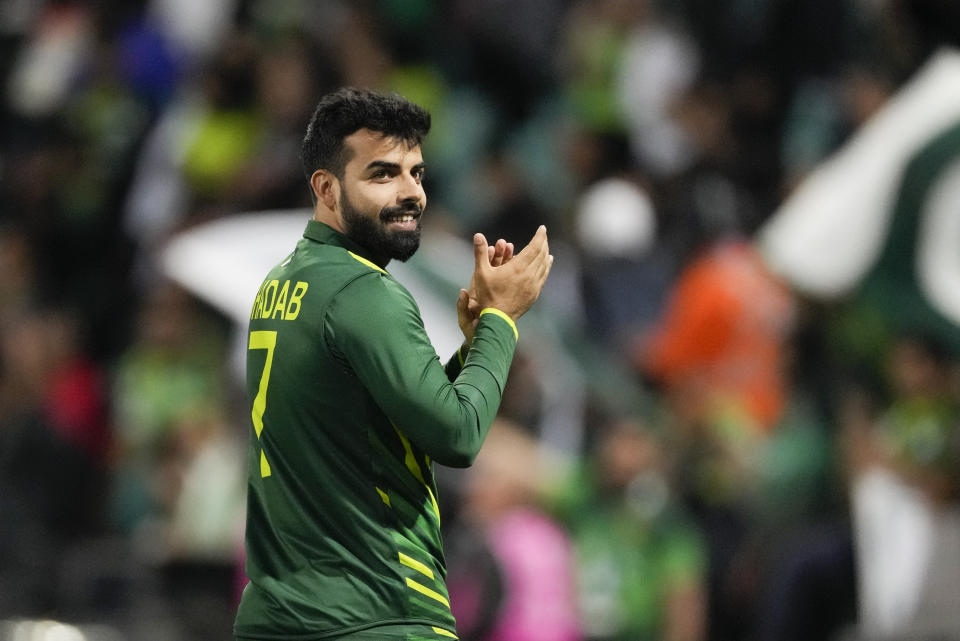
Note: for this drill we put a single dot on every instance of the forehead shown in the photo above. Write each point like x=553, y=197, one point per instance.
x=368, y=146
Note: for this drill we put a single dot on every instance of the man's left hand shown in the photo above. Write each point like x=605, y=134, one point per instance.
x=468, y=309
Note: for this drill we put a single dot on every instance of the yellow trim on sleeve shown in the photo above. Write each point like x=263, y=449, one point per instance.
x=411, y=462
x=433, y=501
x=424, y=590
x=264, y=465
x=413, y=564
x=504, y=316
x=444, y=633
x=460, y=355
x=367, y=262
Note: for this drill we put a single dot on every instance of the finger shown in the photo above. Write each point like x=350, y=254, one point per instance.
x=542, y=263
x=499, y=248
x=542, y=267
x=536, y=247
x=480, y=256
x=549, y=267
x=540, y=277
x=508, y=252
x=545, y=247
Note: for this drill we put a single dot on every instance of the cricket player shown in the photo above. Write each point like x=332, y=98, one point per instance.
x=350, y=406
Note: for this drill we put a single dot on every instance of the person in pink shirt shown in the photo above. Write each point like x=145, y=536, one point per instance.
x=519, y=586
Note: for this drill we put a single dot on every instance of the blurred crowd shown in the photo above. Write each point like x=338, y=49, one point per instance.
x=782, y=467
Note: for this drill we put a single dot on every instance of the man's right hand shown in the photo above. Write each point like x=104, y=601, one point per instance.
x=513, y=286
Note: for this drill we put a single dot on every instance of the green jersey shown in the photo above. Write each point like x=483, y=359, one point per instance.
x=350, y=406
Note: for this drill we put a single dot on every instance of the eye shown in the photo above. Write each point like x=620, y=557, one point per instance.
x=380, y=174
x=418, y=174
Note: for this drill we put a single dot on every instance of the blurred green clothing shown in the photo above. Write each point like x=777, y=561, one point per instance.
x=223, y=142
x=156, y=391
x=792, y=479
x=597, y=51
x=923, y=432
x=632, y=549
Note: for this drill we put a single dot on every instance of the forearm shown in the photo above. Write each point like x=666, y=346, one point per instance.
x=465, y=410
x=455, y=363
x=394, y=360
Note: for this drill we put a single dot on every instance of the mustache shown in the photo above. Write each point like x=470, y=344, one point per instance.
x=413, y=209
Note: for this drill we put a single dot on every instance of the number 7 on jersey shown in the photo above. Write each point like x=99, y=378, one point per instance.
x=262, y=340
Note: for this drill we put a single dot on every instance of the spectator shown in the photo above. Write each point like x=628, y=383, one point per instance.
x=52, y=447
x=640, y=562
x=905, y=499
x=625, y=275
x=516, y=583
x=171, y=374
x=719, y=348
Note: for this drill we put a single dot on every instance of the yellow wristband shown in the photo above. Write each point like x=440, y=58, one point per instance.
x=504, y=316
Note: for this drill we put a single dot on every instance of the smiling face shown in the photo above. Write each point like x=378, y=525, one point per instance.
x=379, y=200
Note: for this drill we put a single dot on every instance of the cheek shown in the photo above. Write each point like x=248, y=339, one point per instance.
x=374, y=197
x=361, y=199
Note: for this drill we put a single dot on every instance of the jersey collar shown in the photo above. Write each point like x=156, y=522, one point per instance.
x=323, y=233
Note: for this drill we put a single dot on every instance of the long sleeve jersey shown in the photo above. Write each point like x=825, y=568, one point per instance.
x=350, y=406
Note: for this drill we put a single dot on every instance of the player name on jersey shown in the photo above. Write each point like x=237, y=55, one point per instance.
x=278, y=301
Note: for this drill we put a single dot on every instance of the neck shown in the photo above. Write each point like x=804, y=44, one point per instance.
x=328, y=217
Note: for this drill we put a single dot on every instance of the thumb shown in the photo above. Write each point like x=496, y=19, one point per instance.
x=480, y=254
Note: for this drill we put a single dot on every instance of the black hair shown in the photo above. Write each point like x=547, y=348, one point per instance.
x=348, y=110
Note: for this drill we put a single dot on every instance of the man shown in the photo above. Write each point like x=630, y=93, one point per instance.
x=350, y=404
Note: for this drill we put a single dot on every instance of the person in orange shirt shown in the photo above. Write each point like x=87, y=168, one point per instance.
x=720, y=346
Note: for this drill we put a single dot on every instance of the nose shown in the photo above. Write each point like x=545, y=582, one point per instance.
x=410, y=190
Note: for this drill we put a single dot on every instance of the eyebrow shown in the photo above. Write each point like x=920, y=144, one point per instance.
x=383, y=164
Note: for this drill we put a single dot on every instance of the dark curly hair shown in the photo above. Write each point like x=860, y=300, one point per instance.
x=348, y=110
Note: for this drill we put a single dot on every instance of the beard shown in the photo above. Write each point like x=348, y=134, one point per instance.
x=373, y=234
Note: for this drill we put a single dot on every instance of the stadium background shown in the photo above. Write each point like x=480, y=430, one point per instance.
x=700, y=446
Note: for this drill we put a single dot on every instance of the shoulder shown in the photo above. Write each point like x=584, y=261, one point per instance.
x=335, y=269
x=326, y=262
x=314, y=276
x=371, y=308
x=365, y=281
x=369, y=295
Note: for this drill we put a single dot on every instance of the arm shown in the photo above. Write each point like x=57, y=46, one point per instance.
x=376, y=326
x=457, y=361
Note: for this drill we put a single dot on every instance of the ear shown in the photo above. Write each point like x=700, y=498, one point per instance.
x=326, y=188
